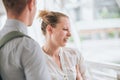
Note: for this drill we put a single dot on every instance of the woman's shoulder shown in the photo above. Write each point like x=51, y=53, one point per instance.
x=71, y=51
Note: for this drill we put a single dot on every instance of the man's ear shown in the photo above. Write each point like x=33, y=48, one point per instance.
x=31, y=3
x=49, y=29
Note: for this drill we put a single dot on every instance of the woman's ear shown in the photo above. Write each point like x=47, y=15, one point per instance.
x=49, y=29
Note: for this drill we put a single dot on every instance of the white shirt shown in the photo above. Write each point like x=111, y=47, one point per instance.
x=69, y=58
x=21, y=58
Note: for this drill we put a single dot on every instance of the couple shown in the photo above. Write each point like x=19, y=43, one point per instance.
x=22, y=58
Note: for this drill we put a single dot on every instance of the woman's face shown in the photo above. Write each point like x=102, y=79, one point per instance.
x=61, y=32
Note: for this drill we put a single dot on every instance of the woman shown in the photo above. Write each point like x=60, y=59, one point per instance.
x=64, y=63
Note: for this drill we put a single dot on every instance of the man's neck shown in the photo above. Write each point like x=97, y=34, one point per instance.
x=20, y=17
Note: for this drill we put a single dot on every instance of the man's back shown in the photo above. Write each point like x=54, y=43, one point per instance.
x=21, y=58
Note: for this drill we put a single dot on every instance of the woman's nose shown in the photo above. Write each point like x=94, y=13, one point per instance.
x=69, y=33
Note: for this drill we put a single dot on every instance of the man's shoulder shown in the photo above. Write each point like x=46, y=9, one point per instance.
x=21, y=43
x=2, y=33
x=29, y=42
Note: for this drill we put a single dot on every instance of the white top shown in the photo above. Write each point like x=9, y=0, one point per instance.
x=69, y=58
x=21, y=58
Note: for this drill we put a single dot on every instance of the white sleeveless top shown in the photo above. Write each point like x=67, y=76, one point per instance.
x=69, y=58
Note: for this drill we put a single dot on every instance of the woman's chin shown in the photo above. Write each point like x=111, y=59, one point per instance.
x=63, y=45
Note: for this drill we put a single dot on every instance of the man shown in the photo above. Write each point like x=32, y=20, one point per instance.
x=21, y=58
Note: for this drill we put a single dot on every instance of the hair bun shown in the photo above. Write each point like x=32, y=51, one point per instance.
x=43, y=13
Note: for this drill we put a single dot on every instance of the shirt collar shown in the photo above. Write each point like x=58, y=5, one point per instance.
x=16, y=25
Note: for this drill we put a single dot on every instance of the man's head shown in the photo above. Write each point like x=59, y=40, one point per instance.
x=21, y=9
x=16, y=6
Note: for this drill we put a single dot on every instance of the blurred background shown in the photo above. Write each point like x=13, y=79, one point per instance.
x=95, y=32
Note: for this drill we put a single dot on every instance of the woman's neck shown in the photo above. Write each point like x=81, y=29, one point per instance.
x=51, y=50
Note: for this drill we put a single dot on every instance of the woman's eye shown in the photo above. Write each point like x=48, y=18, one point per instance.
x=65, y=29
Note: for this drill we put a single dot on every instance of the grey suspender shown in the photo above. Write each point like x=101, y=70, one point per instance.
x=9, y=36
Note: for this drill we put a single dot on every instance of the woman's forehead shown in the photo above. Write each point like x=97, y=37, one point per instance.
x=64, y=21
